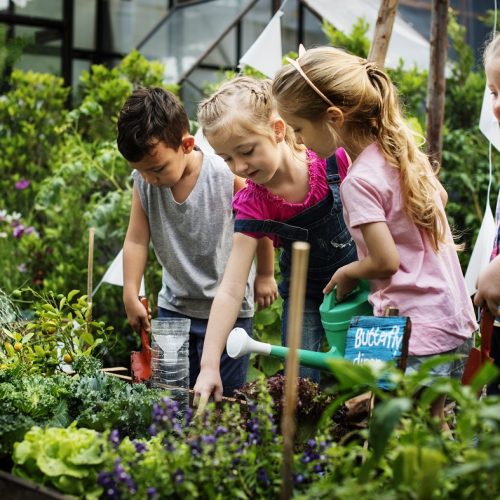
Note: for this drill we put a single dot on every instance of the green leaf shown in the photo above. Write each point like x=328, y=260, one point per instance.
x=386, y=417
x=27, y=337
x=72, y=294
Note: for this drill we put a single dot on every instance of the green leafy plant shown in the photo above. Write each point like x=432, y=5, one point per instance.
x=66, y=459
x=62, y=330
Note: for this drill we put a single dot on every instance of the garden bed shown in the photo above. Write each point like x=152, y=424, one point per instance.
x=15, y=488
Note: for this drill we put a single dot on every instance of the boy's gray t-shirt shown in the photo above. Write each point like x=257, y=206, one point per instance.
x=192, y=240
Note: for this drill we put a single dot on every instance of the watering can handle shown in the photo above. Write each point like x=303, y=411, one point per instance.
x=331, y=297
x=144, y=333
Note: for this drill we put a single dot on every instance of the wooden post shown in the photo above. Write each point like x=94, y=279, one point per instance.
x=383, y=31
x=300, y=260
x=90, y=270
x=437, y=83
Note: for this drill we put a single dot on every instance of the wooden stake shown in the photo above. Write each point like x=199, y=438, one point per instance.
x=90, y=270
x=300, y=260
x=437, y=83
x=383, y=31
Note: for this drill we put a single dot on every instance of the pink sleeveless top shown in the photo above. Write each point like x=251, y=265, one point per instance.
x=256, y=202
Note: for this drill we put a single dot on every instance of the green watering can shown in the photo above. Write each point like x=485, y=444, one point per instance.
x=335, y=317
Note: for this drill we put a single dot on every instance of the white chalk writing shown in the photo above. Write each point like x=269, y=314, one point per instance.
x=376, y=338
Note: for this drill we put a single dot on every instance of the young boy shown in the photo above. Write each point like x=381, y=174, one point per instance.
x=181, y=201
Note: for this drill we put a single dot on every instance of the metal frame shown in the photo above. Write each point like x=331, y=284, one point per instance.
x=236, y=22
x=63, y=27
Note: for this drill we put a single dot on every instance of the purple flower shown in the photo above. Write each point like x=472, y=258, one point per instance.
x=105, y=478
x=188, y=416
x=140, y=447
x=114, y=437
x=298, y=479
x=23, y=184
x=318, y=468
x=151, y=493
x=262, y=476
x=219, y=430
x=22, y=267
x=18, y=231
x=178, y=476
x=210, y=439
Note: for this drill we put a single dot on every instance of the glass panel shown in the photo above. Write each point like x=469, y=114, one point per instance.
x=130, y=22
x=189, y=32
x=192, y=90
x=313, y=34
x=79, y=66
x=43, y=54
x=254, y=23
x=48, y=9
x=84, y=24
x=40, y=63
x=224, y=54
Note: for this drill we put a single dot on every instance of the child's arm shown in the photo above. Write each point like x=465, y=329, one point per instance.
x=381, y=262
x=223, y=315
x=135, y=256
x=265, y=288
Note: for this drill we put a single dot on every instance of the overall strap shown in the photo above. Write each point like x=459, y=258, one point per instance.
x=332, y=170
x=281, y=229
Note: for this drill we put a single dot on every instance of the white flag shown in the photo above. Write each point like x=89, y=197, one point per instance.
x=481, y=253
x=488, y=124
x=201, y=141
x=265, y=54
x=114, y=275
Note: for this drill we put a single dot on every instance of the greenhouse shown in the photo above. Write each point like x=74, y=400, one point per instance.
x=250, y=249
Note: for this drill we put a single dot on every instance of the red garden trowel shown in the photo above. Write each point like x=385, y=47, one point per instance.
x=477, y=357
x=140, y=362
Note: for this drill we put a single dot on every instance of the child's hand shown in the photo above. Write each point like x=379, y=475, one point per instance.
x=207, y=383
x=137, y=315
x=265, y=290
x=488, y=287
x=344, y=283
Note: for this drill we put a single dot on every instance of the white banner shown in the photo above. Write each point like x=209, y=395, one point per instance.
x=265, y=54
x=114, y=275
x=481, y=253
x=201, y=141
x=488, y=124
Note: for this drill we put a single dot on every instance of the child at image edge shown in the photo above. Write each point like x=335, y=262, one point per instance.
x=393, y=202
x=488, y=285
x=290, y=195
x=182, y=201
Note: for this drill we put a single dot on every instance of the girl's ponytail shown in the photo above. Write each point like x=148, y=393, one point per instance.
x=371, y=109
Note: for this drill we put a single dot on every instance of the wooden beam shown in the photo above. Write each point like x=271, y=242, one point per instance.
x=436, y=86
x=298, y=280
x=383, y=31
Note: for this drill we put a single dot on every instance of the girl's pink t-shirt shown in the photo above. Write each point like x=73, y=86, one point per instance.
x=256, y=202
x=428, y=287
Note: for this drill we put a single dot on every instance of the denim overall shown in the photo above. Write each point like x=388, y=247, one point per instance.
x=332, y=247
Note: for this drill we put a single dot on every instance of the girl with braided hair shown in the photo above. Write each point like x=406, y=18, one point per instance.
x=291, y=194
x=393, y=202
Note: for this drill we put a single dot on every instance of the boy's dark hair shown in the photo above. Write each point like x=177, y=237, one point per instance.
x=150, y=115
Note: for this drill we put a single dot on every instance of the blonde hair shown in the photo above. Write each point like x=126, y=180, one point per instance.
x=492, y=49
x=371, y=109
x=240, y=106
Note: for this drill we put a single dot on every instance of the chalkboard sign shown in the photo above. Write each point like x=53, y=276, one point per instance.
x=383, y=338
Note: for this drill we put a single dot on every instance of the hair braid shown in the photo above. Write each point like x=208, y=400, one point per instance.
x=243, y=105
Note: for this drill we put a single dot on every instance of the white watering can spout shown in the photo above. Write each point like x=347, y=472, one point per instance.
x=240, y=343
